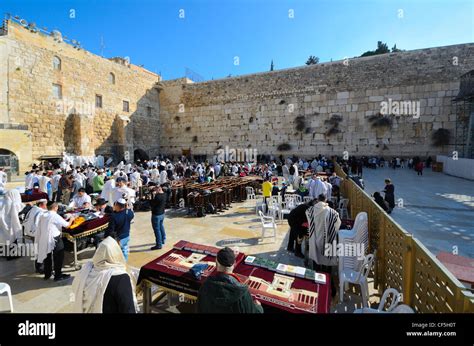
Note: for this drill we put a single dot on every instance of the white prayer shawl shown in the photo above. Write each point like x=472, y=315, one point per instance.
x=31, y=221
x=318, y=188
x=55, y=182
x=43, y=183
x=135, y=179
x=286, y=172
x=329, y=190
x=10, y=225
x=90, y=285
x=29, y=181
x=107, y=191
x=44, y=238
x=324, y=223
x=124, y=192
x=296, y=170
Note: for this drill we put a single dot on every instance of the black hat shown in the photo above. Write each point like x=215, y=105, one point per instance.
x=100, y=201
x=226, y=257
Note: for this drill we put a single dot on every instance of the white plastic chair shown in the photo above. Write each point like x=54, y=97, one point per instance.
x=250, y=192
x=403, y=309
x=357, y=278
x=291, y=201
x=268, y=223
x=396, y=299
x=273, y=206
x=358, y=239
x=307, y=199
x=260, y=206
x=342, y=208
x=284, y=210
x=5, y=288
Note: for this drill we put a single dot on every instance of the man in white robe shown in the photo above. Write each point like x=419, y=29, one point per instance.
x=30, y=225
x=107, y=191
x=122, y=191
x=50, y=243
x=10, y=226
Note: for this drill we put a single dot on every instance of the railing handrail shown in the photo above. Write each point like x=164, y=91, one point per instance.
x=465, y=297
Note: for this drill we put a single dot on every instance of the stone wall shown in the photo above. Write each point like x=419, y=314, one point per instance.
x=327, y=108
x=56, y=125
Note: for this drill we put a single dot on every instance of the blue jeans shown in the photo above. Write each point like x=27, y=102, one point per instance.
x=124, y=247
x=158, y=228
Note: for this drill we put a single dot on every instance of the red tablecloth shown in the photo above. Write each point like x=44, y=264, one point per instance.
x=300, y=303
x=98, y=224
x=178, y=278
x=35, y=196
x=175, y=278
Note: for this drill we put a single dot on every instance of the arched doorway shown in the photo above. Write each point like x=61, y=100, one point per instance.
x=9, y=162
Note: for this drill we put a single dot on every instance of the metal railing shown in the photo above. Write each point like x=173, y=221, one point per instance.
x=403, y=262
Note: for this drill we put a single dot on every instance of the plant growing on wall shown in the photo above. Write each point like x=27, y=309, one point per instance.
x=188, y=128
x=333, y=122
x=379, y=121
x=440, y=137
x=300, y=123
x=284, y=147
x=195, y=139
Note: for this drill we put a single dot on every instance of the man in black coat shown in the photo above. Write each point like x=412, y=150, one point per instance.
x=298, y=227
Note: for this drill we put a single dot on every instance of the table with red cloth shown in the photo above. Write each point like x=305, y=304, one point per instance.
x=34, y=196
x=176, y=279
x=306, y=296
x=86, y=229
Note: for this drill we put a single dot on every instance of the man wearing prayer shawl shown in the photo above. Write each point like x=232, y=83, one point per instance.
x=10, y=225
x=103, y=285
x=324, y=223
x=31, y=223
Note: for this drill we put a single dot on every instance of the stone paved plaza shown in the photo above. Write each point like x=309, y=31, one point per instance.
x=438, y=209
x=237, y=227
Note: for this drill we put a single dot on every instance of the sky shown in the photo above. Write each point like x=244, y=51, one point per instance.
x=218, y=38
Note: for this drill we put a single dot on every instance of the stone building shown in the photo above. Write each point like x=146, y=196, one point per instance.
x=390, y=104
x=56, y=97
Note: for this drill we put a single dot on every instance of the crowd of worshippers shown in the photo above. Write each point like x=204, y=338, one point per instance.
x=103, y=285
x=355, y=166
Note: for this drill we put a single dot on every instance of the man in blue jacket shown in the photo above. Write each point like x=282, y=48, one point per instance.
x=119, y=225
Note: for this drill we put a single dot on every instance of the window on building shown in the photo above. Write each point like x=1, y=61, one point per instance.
x=111, y=78
x=56, y=63
x=98, y=101
x=57, y=91
x=149, y=110
x=126, y=106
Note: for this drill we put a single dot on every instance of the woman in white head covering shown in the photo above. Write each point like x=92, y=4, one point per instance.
x=10, y=225
x=103, y=285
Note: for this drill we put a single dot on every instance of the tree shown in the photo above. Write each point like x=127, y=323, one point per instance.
x=271, y=66
x=312, y=60
x=382, y=48
x=395, y=49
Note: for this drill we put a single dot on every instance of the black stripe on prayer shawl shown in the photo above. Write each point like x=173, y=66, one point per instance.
x=331, y=232
x=309, y=215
